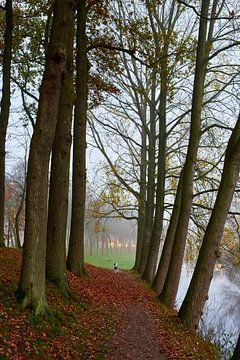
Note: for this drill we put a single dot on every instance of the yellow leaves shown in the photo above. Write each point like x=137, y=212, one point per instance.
x=230, y=245
x=208, y=46
x=97, y=228
x=113, y=196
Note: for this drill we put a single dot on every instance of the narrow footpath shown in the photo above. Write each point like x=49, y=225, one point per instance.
x=136, y=336
x=145, y=329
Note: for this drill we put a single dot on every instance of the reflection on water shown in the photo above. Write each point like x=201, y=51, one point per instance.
x=221, y=316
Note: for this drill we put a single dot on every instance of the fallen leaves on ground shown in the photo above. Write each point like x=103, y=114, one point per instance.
x=82, y=324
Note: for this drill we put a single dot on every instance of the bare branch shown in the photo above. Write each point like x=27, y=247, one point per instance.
x=231, y=16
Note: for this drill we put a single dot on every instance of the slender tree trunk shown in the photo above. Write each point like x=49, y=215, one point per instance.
x=22, y=204
x=31, y=289
x=97, y=239
x=152, y=259
x=102, y=247
x=140, y=234
x=169, y=291
x=13, y=235
x=197, y=293
x=75, y=259
x=91, y=245
x=149, y=210
x=8, y=233
x=141, y=202
x=18, y=214
x=236, y=354
x=59, y=181
x=5, y=108
x=161, y=274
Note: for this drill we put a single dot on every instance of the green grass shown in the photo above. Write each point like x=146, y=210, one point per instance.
x=125, y=261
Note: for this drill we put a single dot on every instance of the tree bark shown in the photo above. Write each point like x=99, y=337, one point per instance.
x=162, y=270
x=31, y=289
x=152, y=259
x=149, y=210
x=169, y=291
x=75, y=259
x=142, y=196
x=197, y=293
x=59, y=181
x=5, y=108
x=236, y=354
x=18, y=214
x=140, y=233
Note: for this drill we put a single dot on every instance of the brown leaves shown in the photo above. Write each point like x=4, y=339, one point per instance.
x=83, y=323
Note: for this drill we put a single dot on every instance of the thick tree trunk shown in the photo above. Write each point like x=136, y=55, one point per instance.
x=162, y=270
x=59, y=181
x=197, y=293
x=5, y=108
x=31, y=289
x=236, y=354
x=75, y=259
x=169, y=291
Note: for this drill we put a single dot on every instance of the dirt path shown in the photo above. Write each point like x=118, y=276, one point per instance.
x=135, y=338
x=136, y=334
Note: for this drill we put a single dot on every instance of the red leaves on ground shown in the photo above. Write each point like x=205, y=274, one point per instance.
x=82, y=325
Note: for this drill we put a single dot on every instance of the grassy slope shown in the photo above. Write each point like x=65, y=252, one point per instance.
x=81, y=323
x=125, y=261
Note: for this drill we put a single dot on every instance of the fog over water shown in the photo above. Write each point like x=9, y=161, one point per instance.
x=221, y=315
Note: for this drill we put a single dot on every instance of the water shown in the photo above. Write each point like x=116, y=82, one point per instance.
x=220, y=322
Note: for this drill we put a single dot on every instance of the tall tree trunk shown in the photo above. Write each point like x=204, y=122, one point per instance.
x=8, y=233
x=91, y=245
x=197, y=293
x=152, y=259
x=75, y=259
x=161, y=274
x=31, y=289
x=5, y=108
x=59, y=181
x=169, y=291
x=140, y=233
x=21, y=206
x=236, y=354
x=18, y=214
x=149, y=210
x=142, y=196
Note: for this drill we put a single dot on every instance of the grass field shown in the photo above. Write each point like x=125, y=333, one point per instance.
x=125, y=261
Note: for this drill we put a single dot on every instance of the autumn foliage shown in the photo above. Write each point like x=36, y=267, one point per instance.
x=83, y=322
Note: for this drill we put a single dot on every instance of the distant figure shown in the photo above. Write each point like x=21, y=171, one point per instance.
x=115, y=267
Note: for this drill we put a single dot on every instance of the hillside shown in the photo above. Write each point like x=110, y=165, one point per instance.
x=106, y=315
